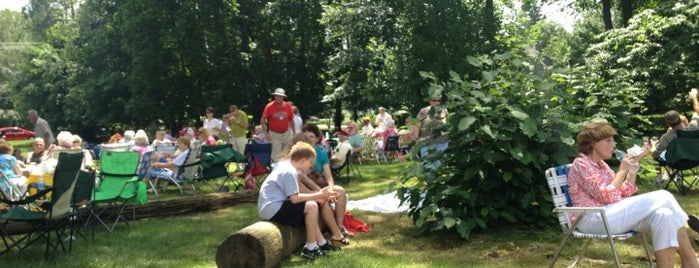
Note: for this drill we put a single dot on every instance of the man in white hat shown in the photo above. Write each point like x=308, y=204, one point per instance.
x=278, y=122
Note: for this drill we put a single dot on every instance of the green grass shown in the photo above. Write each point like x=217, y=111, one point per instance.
x=192, y=240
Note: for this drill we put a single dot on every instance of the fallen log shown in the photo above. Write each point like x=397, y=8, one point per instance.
x=262, y=244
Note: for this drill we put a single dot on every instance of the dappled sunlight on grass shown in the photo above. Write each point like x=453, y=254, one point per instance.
x=192, y=240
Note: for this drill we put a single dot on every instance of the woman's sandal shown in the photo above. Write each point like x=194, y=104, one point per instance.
x=344, y=241
x=346, y=233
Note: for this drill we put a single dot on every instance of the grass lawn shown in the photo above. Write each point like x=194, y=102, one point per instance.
x=192, y=240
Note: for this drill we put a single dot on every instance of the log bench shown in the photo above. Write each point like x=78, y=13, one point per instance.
x=261, y=244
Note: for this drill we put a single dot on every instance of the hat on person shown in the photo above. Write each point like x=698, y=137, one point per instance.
x=279, y=92
x=342, y=132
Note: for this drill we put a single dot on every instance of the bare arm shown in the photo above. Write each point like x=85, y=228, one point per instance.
x=323, y=194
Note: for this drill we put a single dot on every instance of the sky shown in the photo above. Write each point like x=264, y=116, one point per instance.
x=552, y=12
x=15, y=5
x=564, y=18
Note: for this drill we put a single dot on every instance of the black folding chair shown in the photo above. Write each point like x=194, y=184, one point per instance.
x=682, y=159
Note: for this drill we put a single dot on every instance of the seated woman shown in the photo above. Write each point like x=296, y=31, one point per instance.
x=88, y=164
x=281, y=200
x=10, y=167
x=382, y=136
x=160, y=139
x=259, y=136
x=592, y=183
x=141, y=143
x=367, y=128
x=163, y=168
x=320, y=176
x=205, y=137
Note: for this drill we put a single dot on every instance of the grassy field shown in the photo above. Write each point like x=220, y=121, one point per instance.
x=192, y=241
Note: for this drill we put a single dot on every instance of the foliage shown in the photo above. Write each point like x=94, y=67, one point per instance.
x=505, y=130
x=657, y=53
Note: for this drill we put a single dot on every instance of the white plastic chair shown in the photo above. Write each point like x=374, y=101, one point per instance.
x=557, y=178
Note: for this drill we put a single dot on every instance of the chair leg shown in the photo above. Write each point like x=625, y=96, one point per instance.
x=646, y=247
x=567, y=236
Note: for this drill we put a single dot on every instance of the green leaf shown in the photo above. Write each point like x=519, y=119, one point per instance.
x=486, y=129
x=528, y=127
x=466, y=122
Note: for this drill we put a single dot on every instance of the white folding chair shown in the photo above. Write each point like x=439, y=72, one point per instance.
x=557, y=178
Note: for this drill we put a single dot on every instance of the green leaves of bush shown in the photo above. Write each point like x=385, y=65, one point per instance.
x=505, y=130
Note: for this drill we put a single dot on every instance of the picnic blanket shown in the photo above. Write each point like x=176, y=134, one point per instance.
x=383, y=203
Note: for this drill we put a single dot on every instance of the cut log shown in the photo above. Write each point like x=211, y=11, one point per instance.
x=262, y=244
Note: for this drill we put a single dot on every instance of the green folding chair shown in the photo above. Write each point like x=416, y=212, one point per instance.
x=117, y=187
x=52, y=216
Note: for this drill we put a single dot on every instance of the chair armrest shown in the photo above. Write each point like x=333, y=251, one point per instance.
x=579, y=209
x=29, y=199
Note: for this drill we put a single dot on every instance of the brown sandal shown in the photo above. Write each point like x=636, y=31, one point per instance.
x=344, y=241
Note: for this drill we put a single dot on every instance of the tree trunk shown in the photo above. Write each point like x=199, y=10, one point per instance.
x=626, y=11
x=262, y=244
x=607, y=14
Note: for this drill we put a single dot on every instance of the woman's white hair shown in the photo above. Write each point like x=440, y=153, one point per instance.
x=141, y=138
x=65, y=139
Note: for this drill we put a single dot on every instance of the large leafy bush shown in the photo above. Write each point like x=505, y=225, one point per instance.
x=505, y=130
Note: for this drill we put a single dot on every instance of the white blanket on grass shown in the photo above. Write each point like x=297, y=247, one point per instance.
x=384, y=203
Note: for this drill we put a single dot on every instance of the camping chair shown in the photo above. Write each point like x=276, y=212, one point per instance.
x=259, y=161
x=337, y=171
x=144, y=170
x=82, y=197
x=54, y=213
x=9, y=191
x=188, y=173
x=557, y=178
x=682, y=157
x=391, y=146
x=117, y=187
x=214, y=163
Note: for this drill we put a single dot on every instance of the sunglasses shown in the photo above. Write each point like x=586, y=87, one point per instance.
x=437, y=100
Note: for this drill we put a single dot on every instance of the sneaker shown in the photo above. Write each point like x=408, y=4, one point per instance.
x=693, y=223
x=310, y=254
x=329, y=247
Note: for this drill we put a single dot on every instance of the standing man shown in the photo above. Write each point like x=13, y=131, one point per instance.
x=278, y=122
x=41, y=127
x=237, y=122
x=431, y=118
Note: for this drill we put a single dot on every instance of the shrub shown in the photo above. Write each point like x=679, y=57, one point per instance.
x=505, y=130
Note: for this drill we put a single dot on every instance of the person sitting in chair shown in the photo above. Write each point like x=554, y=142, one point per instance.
x=163, y=168
x=340, y=154
x=592, y=183
x=10, y=167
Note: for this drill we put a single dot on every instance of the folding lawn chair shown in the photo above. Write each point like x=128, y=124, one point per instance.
x=118, y=186
x=54, y=214
x=259, y=160
x=214, y=163
x=682, y=159
x=391, y=146
x=188, y=173
x=337, y=171
x=80, y=203
x=144, y=170
x=8, y=190
x=557, y=178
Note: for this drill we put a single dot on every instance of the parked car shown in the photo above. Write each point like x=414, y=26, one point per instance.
x=15, y=133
